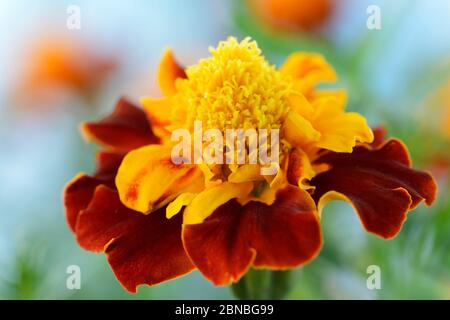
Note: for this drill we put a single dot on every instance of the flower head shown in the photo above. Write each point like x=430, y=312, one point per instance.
x=157, y=219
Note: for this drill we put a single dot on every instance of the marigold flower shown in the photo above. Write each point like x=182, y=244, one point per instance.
x=293, y=15
x=157, y=220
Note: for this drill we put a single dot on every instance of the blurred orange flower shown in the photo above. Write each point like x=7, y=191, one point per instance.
x=438, y=106
x=435, y=111
x=445, y=95
x=293, y=15
x=55, y=64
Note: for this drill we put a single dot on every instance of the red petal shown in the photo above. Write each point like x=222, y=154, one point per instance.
x=379, y=182
x=78, y=193
x=282, y=235
x=107, y=164
x=379, y=134
x=125, y=129
x=141, y=249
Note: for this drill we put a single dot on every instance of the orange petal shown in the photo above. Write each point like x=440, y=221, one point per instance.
x=169, y=71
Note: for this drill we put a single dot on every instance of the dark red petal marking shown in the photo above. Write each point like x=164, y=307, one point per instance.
x=283, y=235
x=141, y=249
x=125, y=129
x=379, y=182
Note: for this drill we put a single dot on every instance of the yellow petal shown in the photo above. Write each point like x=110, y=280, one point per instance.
x=169, y=71
x=182, y=200
x=298, y=131
x=299, y=104
x=308, y=70
x=246, y=172
x=340, y=130
x=339, y=95
x=158, y=109
x=148, y=179
x=209, y=200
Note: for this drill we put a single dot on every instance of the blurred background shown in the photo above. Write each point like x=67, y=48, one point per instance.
x=53, y=77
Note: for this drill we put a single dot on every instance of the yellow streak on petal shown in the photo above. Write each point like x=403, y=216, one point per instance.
x=182, y=200
x=209, y=200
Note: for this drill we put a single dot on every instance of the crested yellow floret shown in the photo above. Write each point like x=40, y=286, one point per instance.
x=234, y=88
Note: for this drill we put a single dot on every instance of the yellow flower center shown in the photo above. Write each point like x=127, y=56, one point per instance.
x=234, y=88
